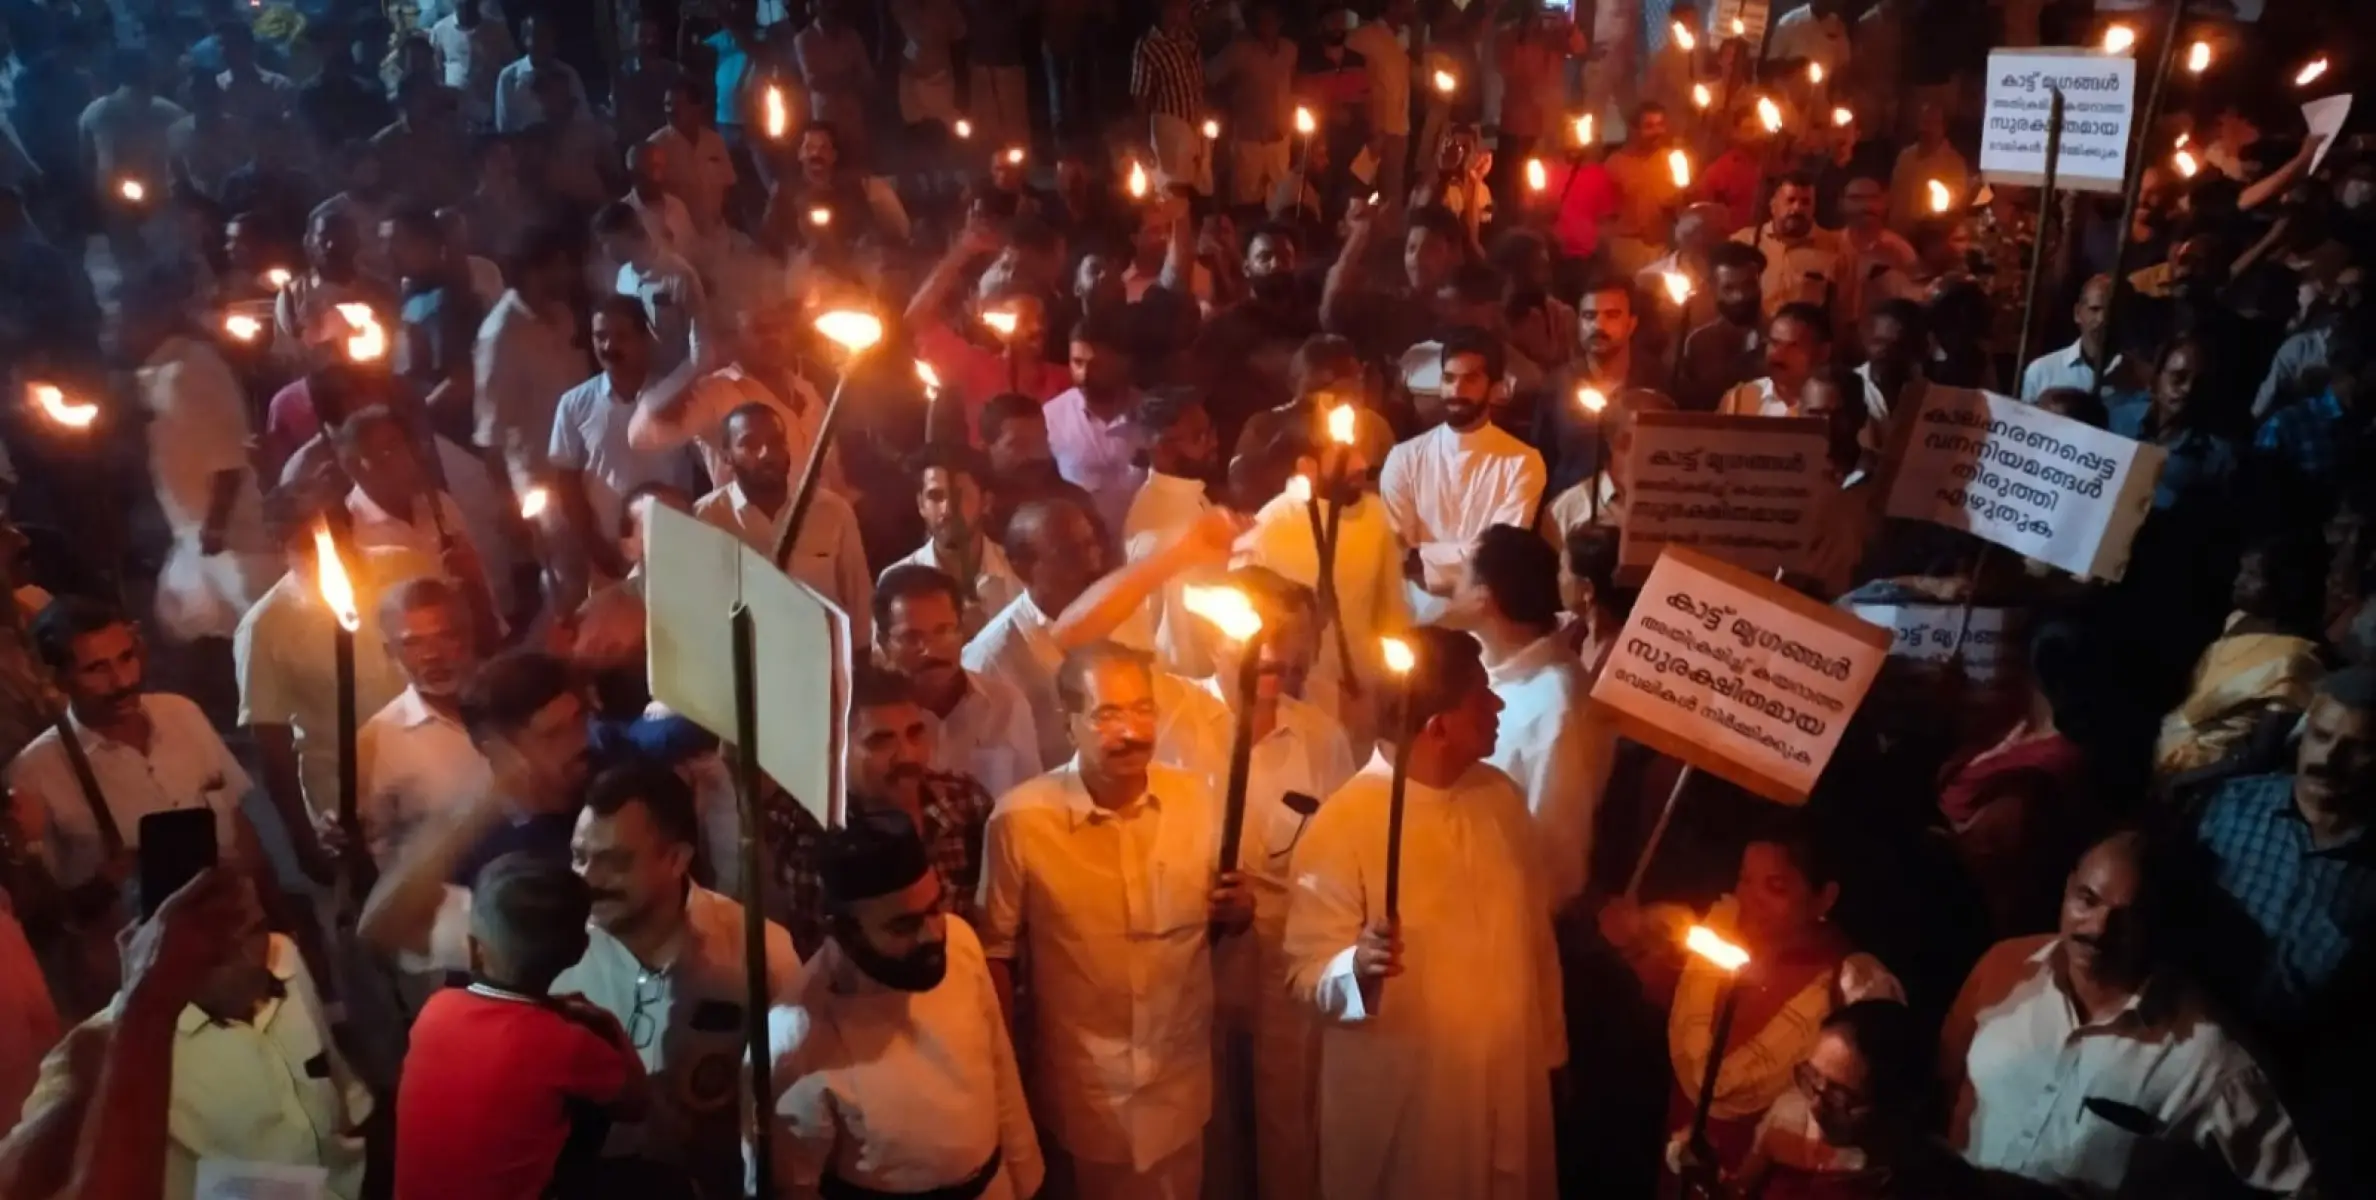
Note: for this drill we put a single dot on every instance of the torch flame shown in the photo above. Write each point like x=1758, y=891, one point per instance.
x=1304, y=124
x=1769, y=114
x=1722, y=954
x=276, y=278
x=2310, y=73
x=1842, y=118
x=2198, y=58
x=1815, y=73
x=1445, y=82
x=2187, y=166
x=338, y=592
x=370, y=340
x=1584, y=130
x=132, y=190
x=1684, y=39
x=1299, y=489
x=1678, y=286
x=1000, y=321
x=1740, y=28
x=1536, y=177
x=1212, y=129
x=1397, y=655
x=820, y=216
x=851, y=329
x=930, y=377
x=2118, y=39
x=1701, y=97
x=1340, y=424
x=778, y=115
x=1679, y=164
x=1940, y=198
x=1226, y=607
x=1014, y=156
x=1593, y=401
x=1138, y=181
x=963, y=128
x=243, y=327
x=52, y=401
x=533, y=502
x=2182, y=140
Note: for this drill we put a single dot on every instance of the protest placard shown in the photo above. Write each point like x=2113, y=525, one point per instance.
x=1925, y=633
x=2324, y=117
x=2046, y=486
x=1746, y=490
x=695, y=575
x=2099, y=107
x=1738, y=676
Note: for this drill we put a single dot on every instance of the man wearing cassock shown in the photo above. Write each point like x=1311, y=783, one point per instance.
x=1442, y=1027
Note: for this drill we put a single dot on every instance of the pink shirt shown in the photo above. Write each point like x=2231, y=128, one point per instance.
x=1583, y=206
x=288, y=424
x=971, y=374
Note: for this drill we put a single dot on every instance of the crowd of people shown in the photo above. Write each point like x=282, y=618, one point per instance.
x=1354, y=313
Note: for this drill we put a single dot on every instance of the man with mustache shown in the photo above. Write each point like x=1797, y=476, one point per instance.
x=887, y=762
x=1608, y=314
x=594, y=464
x=1058, y=551
x=950, y=486
x=1730, y=347
x=826, y=552
x=985, y=727
x=893, y=1066
x=1182, y=453
x=1099, y=879
x=1441, y=1028
x=1804, y=263
x=1444, y=487
x=2070, y=1057
x=1797, y=351
x=414, y=760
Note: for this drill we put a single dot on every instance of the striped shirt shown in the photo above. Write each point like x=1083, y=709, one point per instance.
x=1167, y=75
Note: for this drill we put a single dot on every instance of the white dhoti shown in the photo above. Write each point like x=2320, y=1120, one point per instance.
x=1182, y=154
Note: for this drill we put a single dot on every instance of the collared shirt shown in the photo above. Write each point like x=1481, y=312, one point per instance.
x=305, y=313
x=270, y=1089
x=2039, y=1081
x=684, y=1015
x=2064, y=368
x=1166, y=505
x=675, y=303
x=954, y=809
x=1804, y=271
x=700, y=171
x=971, y=375
x=522, y=363
x=516, y=105
x=590, y=435
x=288, y=675
x=1799, y=33
x=1167, y=74
x=185, y=766
x=1097, y=453
x=1388, y=61
x=2306, y=437
x=827, y=555
x=1558, y=750
x=995, y=584
x=2201, y=466
x=988, y=734
x=1015, y=648
x=709, y=398
x=2299, y=358
x=419, y=533
x=666, y=221
x=198, y=430
x=899, y=1092
x=1107, y=909
x=472, y=60
x=1260, y=84
x=1757, y=398
x=412, y=762
x=2308, y=909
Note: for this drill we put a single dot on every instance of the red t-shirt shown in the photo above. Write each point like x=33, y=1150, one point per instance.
x=490, y=1085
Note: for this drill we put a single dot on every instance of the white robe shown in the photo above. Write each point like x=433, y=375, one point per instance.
x=1557, y=748
x=1444, y=1091
x=1444, y=487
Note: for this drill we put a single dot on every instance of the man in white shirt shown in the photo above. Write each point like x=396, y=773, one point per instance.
x=2075, y=365
x=666, y=220
x=151, y=752
x=1441, y=1027
x=1089, y=426
x=1552, y=744
x=413, y=759
x=666, y=285
x=394, y=504
x=471, y=55
x=1385, y=50
x=526, y=357
x=252, y=95
x=700, y=171
x=2079, y=1060
x=1444, y=487
x=1804, y=262
x=986, y=728
x=893, y=1070
x=1181, y=450
x=765, y=370
x=1100, y=877
x=1057, y=550
x=826, y=553
x=1815, y=32
x=593, y=465
x=1255, y=73
x=1797, y=350
x=516, y=104
x=949, y=498
x=125, y=133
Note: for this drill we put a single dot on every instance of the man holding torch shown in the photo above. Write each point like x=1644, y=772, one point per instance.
x=1441, y=1007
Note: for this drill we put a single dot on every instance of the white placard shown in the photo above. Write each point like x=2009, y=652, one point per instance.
x=2099, y=106
x=2325, y=115
x=1926, y=633
x=1738, y=676
x=2045, y=486
x=1746, y=490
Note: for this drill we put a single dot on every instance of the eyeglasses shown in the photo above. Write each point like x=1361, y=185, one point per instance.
x=1827, y=1094
x=1108, y=720
x=643, y=1021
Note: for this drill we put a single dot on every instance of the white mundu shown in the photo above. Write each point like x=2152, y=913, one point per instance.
x=1445, y=1091
x=899, y=1092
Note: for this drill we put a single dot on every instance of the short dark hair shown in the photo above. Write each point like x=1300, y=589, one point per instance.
x=1796, y=179
x=417, y=219
x=64, y=620
x=1072, y=676
x=749, y=411
x=1906, y=313
x=531, y=910
x=1521, y=572
x=510, y=689
x=1006, y=408
x=1897, y=1051
x=2352, y=687
x=624, y=308
x=663, y=793
x=350, y=430
x=615, y=218
x=1802, y=839
x=911, y=581
x=1162, y=408
x=1445, y=664
x=1468, y=339
x=1105, y=330
x=873, y=687
x=419, y=592
x=1737, y=255
x=1647, y=108
x=952, y=457
x=1603, y=282
x=649, y=489
x=1592, y=557
x=1809, y=315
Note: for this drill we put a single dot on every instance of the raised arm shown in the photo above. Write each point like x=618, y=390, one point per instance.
x=1342, y=289
x=1110, y=601
x=401, y=914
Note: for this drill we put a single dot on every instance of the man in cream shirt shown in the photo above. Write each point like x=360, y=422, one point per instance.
x=826, y=552
x=413, y=758
x=986, y=728
x=1798, y=348
x=1449, y=484
x=1099, y=877
x=949, y=498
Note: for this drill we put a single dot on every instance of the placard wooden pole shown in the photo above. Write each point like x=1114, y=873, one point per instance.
x=1666, y=816
x=2140, y=138
x=2038, y=242
x=754, y=882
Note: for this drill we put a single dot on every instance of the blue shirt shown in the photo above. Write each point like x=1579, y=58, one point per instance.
x=734, y=67
x=2304, y=436
x=2305, y=910
x=2200, y=468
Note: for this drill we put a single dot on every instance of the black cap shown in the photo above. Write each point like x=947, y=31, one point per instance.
x=877, y=854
